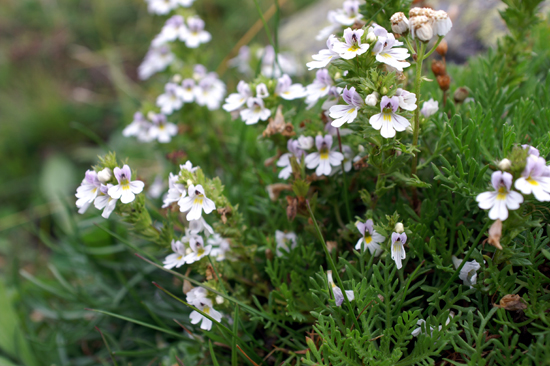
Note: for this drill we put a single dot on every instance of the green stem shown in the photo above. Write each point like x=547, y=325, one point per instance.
x=416, y=122
x=333, y=266
x=433, y=49
x=409, y=45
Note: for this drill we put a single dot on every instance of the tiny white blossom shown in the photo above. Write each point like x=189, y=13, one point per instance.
x=534, y=179
x=370, y=238
x=407, y=100
x=173, y=29
x=372, y=99
x=189, y=167
x=176, y=259
x=397, y=248
x=196, y=33
x=468, y=273
x=210, y=91
x=399, y=23
x=442, y=23
x=187, y=90
x=170, y=101
x=255, y=111
x=349, y=13
x=237, y=100
x=87, y=191
x=346, y=113
x=429, y=108
x=261, y=91
x=305, y=142
x=325, y=56
x=105, y=202
x=352, y=46
x=162, y=130
x=322, y=160
x=286, y=90
x=205, y=306
x=502, y=198
x=337, y=291
x=196, y=202
x=126, y=189
x=200, y=225
x=157, y=59
x=220, y=247
x=294, y=150
x=198, y=250
x=388, y=122
x=319, y=88
x=176, y=191
x=283, y=240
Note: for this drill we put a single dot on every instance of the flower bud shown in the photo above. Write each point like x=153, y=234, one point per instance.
x=495, y=232
x=421, y=28
x=460, y=95
x=305, y=142
x=371, y=37
x=361, y=148
x=399, y=23
x=444, y=82
x=399, y=228
x=442, y=23
x=442, y=48
x=177, y=78
x=219, y=300
x=384, y=90
x=505, y=164
x=438, y=68
x=105, y=175
x=372, y=99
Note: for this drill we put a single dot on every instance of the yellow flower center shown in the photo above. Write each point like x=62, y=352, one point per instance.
x=198, y=200
x=368, y=239
x=353, y=48
x=206, y=310
x=501, y=195
x=324, y=153
x=532, y=181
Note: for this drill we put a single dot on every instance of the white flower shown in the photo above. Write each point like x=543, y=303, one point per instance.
x=325, y=56
x=370, y=238
x=242, y=61
x=87, y=191
x=397, y=248
x=105, y=175
x=295, y=150
x=162, y=130
x=205, y=306
x=220, y=247
x=210, y=91
x=170, y=101
x=198, y=250
x=388, y=121
x=156, y=189
x=534, y=179
x=176, y=191
x=196, y=33
x=161, y=7
x=468, y=273
x=104, y=201
x=337, y=291
x=322, y=160
x=196, y=296
x=189, y=167
x=139, y=127
x=283, y=240
x=346, y=113
x=255, y=111
x=351, y=47
x=157, y=59
x=372, y=99
x=173, y=29
x=305, y=142
x=200, y=225
x=349, y=13
x=407, y=100
x=286, y=90
x=429, y=108
x=261, y=91
x=176, y=259
x=126, y=189
x=502, y=198
x=421, y=28
x=399, y=23
x=319, y=88
x=388, y=54
x=196, y=202
x=237, y=100
x=442, y=23
x=187, y=90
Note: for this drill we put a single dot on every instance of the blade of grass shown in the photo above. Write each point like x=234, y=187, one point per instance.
x=126, y=242
x=234, y=354
x=212, y=354
x=107, y=345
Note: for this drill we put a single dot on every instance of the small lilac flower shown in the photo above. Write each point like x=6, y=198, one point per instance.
x=87, y=191
x=176, y=191
x=468, y=273
x=196, y=34
x=157, y=59
x=351, y=47
x=255, y=111
x=104, y=201
x=176, y=259
x=189, y=167
x=161, y=7
x=371, y=239
x=187, y=90
x=139, y=128
x=220, y=247
x=126, y=189
x=205, y=306
x=502, y=198
x=407, y=100
x=322, y=160
x=286, y=90
x=319, y=88
x=170, y=101
x=162, y=130
x=429, y=108
x=210, y=91
x=237, y=100
x=388, y=121
x=242, y=61
x=337, y=291
x=198, y=250
x=532, y=150
x=173, y=29
x=284, y=161
x=390, y=55
x=349, y=13
x=200, y=225
x=346, y=113
x=305, y=142
x=534, y=179
x=196, y=202
x=397, y=248
x=325, y=56
x=283, y=240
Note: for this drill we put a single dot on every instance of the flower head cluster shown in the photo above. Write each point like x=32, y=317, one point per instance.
x=101, y=190
x=425, y=23
x=156, y=127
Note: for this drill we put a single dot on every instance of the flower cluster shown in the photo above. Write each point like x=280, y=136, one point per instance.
x=101, y=189
x=423, y=23
x=348, y=15
x=191, y=32
x=534, y=179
